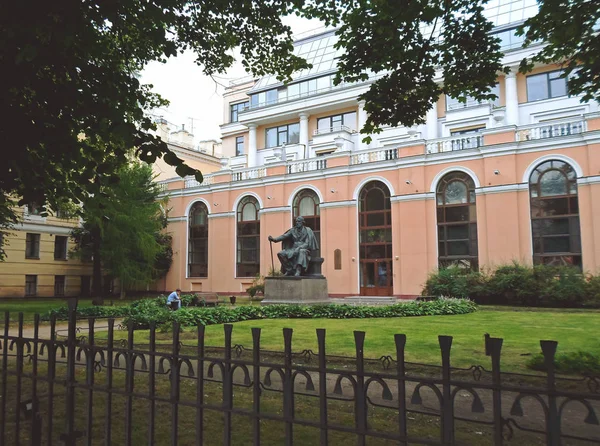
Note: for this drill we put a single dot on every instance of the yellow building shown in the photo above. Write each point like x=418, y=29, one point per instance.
x=37, y=260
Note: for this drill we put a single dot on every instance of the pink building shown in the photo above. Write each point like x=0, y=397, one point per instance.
x=478, y=185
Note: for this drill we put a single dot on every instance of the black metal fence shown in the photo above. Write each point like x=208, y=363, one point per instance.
x=80, y=387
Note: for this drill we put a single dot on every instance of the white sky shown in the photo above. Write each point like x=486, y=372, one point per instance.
x=196, y=101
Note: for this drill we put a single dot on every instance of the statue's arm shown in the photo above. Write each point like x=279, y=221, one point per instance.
x=280, y=238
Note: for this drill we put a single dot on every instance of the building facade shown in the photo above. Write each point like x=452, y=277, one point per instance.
x=478, y=185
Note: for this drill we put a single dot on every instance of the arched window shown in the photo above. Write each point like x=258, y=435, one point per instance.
x=248, y=238
x=306, y=204
x=375, y=224
x=457, y=221
x=198, y=241
x=555, y=214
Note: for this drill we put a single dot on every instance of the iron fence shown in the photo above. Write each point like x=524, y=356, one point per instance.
x=63, y=390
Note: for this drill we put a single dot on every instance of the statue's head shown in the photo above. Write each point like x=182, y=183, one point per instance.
x=299, y=222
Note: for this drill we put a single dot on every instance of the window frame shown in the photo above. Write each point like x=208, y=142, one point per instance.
x=34, y=242
x=443, y=225
x=342, y=123
x=60, y=288
x=241, y=266
x=235, y=109
x=28, y=284
x=63, y=250
x=547, y=74
x=239, y=140
x=311, y=221
x=202, y=230
x=281, y=130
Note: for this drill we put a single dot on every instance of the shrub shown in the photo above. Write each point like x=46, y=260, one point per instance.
x=515, y=284
x=574, y=363
x=258, y=286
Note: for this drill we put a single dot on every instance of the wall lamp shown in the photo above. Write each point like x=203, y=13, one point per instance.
x=496, y=172
x=408, y=182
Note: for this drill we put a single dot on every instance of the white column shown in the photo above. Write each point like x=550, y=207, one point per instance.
x=432, y=123
x=304, y=133
x=252, y=145
x=511, y=98
x=362, y=119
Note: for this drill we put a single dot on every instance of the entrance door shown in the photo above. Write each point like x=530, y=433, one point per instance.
x=375, y=224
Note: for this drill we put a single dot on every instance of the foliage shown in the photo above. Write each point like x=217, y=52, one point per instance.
x=122, y=229
x=258, y=286
x=515, y=284
x=573, y=363
x=164, y=258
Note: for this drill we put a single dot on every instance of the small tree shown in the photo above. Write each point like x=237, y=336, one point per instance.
x=122, y=230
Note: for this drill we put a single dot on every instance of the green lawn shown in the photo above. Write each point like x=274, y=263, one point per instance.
x=522, y=329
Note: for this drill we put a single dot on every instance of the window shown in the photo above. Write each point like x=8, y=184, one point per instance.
x=509, y=39
x=457, y=221
x=32, y=246
x=546, y=85
x=293, y=91
x=248, y=238
x=284, y=134
x=59, y=285
x=454, y=104
x=30, y=285
x=34, y=209
x=306, y=204
x=239, y=145
x=198, y=241
x=336, y=122
x=235, y=109
x=60, y=247
x=555, y=214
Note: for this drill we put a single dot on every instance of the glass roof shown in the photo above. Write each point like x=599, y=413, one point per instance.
x=319, y=51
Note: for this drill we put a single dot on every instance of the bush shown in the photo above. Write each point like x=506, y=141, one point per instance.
x=574, y=363
x=514, y=284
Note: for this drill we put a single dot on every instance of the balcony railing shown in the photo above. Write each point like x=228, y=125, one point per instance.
x=307, y=165
x=191, y=181
x=336, y=128
x=454, y=143
x=374, y=155
x=249, y=174
x=542, y=131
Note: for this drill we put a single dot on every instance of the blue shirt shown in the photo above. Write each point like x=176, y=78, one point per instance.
x=172, y=297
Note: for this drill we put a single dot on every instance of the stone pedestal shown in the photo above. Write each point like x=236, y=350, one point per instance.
x=296, y=290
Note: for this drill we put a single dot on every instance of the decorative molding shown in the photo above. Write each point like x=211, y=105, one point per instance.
x=557, y=157
x=176, y=219
x=222, y=215
x=43, y=228
x=274, y=209
x=413, y=197
x=501, y=188
x=338, y=204
x=450, y=169
x=583, y=181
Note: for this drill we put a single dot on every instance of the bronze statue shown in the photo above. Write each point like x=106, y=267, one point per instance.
x=298, y=243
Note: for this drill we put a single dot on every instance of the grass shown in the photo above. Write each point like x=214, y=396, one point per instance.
x=29, y=307
x=521, y=331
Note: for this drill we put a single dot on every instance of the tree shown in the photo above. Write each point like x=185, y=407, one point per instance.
x=122, y=230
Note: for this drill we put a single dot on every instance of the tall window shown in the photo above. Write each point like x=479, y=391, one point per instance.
x=375, y=224
x=30, y=285
x=336, y=122
x=59, y=285
x=457, y=221
x=306, y=204
x=239, y=145
x=284, y=134
x=454, y=103
x=32, y=246
x=555, y=214
x=248, y=238
x=546, y=85
x=60, y=247
x=198, y=241
x=235, y=109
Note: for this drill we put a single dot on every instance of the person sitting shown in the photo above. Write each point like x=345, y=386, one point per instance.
x=174, y=300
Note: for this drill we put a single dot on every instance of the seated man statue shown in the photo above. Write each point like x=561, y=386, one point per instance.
x=298, y=243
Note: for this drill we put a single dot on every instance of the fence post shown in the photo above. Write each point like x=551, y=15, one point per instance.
x=69, y=438
x=400, y=340
x=175, y=377
x=322, y=386
x=52, y=348
x=109, y=381
x=256, y=386
x=360, y=400
x=36, y=419
x=19, y=377
x=152, y=382
x=129, y=383
x=494, y=346
x=553, y=420
x=90, y=379
x=200, y=388
x=447, y=403
x=288, y=387
x=4, y=374
x=227, y=387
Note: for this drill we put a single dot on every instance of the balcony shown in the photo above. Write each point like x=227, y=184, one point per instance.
x=191, y=182
x=307, y=165
x=372, y=156
x=337, y=138
x=551, y=130
x=453, y=143
x=248, y=174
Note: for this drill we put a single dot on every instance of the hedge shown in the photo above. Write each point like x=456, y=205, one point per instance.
x=140, y=314
x=514, y=284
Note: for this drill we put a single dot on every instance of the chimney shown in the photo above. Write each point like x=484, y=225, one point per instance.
x=183, y=138
x=162, y=128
